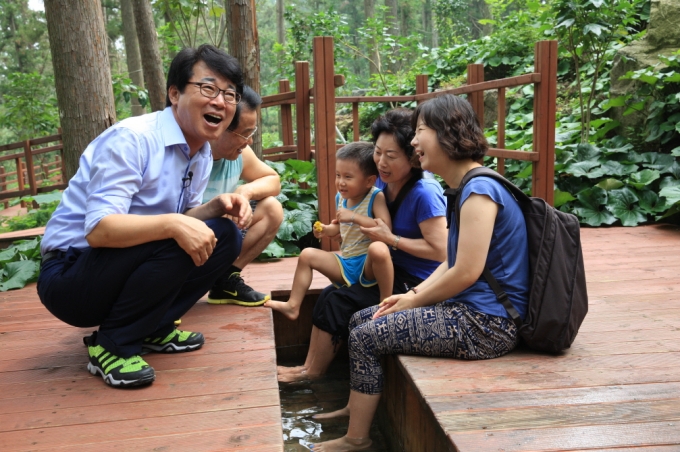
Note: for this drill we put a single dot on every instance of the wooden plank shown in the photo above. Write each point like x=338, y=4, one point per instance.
x=222, y=424
x=586, y=437
x=302, y=110
x=545, y=93
x=286, y=117
x=475, y=74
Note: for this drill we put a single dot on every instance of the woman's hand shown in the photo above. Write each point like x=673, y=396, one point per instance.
x=379, y=233
x=396, y=303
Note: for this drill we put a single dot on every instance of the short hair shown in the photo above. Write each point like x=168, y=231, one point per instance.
x=250, y=100
x=181, y=68
x=360, y=152
x=455, y=122
x=398, y=123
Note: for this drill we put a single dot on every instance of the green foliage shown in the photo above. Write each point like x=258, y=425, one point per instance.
x=29, y=107
x=658, y=91
x=587, y=29
x=300, y=208
x=123, y=92
x=34, y=218
x=20, y=264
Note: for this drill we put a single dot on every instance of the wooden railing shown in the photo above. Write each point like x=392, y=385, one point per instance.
x=297, y=142
x=322, y=98
x=43, y=156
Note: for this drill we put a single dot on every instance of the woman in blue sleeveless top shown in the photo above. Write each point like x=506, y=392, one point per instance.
x=453, y=313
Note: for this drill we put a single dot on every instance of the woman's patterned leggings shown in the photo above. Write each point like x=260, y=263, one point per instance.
x=445, y=329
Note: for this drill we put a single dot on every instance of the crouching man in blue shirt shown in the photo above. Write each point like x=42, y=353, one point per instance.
x=130, y=248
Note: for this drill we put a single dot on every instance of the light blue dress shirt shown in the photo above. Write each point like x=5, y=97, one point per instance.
x=138, y=166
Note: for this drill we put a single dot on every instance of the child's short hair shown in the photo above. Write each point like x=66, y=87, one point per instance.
x=360, y=152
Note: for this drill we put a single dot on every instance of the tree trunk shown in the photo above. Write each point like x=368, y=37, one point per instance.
x=428, y=26
x=151, y=57
x=280, y=23
x=393, y=19
x=479, y=10
x=134, y=61
x=245, y=47
x=369, y=10
x=82, y=75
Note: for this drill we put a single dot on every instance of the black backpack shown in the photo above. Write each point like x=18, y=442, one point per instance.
x=558, y=300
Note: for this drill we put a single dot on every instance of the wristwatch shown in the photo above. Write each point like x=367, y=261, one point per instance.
x=396, y=240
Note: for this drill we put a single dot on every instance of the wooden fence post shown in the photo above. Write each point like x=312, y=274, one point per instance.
x=286, y=116
x=324, y=130
x=476, y=75
x=3, y=184
x=421, y=85
x=30, y=171
x=302, y=111
x=500, y=136
x=545, y=93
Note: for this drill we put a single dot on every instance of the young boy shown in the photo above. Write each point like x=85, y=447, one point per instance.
x=358, y=203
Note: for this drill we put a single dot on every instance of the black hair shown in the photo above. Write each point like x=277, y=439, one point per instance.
x=250, y=100
x=398, y=123
x=455, y=122
x=360, y=152
x=181, y=68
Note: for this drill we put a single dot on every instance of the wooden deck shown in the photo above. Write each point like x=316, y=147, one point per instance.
x=618, y=387
x=222, y=397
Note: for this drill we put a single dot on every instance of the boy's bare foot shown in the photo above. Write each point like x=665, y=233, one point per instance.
x=292, y=377
x=333, y=414
x=343, y=444
x=280, y=370
x=284, y=308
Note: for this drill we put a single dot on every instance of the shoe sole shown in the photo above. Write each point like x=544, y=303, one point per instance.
x=171, y=348
x=109, y=380
x=238, y=302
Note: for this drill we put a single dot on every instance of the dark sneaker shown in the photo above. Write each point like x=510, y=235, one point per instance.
x=117, y=371
x=235, y=291
x=175, y=342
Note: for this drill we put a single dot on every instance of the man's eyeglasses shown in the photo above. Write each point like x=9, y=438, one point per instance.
x=211, y=91
x=244, y=137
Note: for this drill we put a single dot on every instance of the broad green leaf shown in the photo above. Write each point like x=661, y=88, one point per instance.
x=672, y=194
x=610, y=184
x=612, y=168
x=676, y=151
x=619, y=101
x=651, y=203
x=674, y=210
x=596, y=29
x=594, y=217
x=586, y=151
x=19, y=274
x=668, y=181
x=296, y=224
x=644, y=177
x=291, y=249
x=623, y=204
x=9, y=255
x=562, y=197
x=580, y=169
x=279, y=167
x=273, y=250
x=654, y=160
x=44, y=198
x=593, y=197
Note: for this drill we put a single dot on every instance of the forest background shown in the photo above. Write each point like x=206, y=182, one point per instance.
x=606, y=172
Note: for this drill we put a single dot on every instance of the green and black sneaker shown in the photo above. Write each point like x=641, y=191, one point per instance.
x=233, y=290
x=175, y=342
x=117, y=371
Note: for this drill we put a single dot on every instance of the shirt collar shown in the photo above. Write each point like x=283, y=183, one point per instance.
x=172, y=134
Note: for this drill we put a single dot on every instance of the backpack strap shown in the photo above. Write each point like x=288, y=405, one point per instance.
x=453, y=201
x=394, y=206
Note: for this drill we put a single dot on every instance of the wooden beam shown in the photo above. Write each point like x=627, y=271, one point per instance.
x=302, y=111
x=286, y=116
x=475, y=75
x=545, y=92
